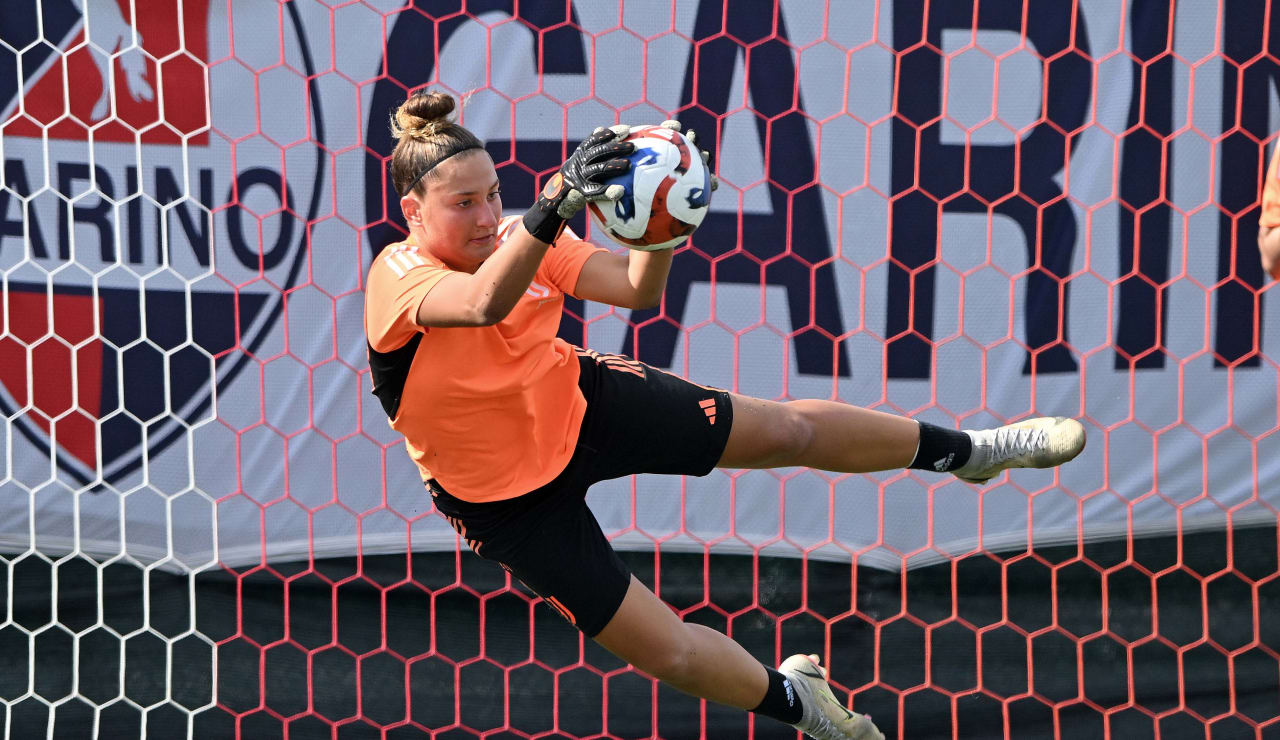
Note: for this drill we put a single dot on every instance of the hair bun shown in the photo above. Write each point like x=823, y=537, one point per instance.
x=423, y=115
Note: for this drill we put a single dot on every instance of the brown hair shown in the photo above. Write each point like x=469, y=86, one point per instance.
x=425, y=138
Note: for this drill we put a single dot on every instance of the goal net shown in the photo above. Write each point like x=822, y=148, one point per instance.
x=966, y=212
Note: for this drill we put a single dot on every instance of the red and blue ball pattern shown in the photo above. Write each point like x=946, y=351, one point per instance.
x=666, y=193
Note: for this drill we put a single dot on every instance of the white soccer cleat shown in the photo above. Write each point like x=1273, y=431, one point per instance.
x=1043, y=442
x=824, y=718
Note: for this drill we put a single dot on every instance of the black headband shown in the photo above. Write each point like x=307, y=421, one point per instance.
x=432, y=166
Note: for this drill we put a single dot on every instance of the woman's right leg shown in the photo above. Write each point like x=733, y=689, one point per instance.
x=813, y=433
x=834, y=436
x=695, y=659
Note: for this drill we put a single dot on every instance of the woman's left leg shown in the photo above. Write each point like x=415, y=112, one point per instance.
x=695, y=659
x=703, y=662
x=827, y=435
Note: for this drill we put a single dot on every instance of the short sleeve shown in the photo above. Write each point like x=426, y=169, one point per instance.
x=398, y=281
x=564, y=261
x=1271, y=193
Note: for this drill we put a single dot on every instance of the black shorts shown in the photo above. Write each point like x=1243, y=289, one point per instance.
x=639, y=420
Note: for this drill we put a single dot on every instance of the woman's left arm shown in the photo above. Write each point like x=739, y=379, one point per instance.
x=638, y=279
x=634, y=280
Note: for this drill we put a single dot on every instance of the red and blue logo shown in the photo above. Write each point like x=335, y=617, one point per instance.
x=152, y=221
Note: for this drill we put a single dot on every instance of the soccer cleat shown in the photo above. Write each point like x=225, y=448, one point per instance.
x=824, y=718
x=1043, y=442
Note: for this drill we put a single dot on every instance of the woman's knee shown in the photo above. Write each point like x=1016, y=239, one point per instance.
x=790, y=433
x=768, y=434
x=801, y=427
x=672, y=660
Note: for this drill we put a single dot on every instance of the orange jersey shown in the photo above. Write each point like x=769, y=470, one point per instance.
x=1270, y=216
x=492, y=412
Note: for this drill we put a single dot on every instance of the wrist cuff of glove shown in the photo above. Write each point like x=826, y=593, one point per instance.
x=543, y=221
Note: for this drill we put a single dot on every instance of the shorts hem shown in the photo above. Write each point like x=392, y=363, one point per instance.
x=595, y=629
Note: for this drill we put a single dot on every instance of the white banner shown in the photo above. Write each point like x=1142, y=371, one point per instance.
x=183, y=363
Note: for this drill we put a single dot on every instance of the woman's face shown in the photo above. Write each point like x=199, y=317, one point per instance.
x=457, y=218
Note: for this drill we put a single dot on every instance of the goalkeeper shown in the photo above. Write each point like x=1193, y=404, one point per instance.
x=509, y=425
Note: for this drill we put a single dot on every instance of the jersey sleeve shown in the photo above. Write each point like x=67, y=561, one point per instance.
x=398, y=281
x=564, y=261
x=1270, y=216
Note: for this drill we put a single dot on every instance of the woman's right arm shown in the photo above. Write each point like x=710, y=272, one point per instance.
x=487, y=296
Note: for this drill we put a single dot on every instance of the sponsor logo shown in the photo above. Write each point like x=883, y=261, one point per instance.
x=709, y=408
x=152, y=218
x=537, y=290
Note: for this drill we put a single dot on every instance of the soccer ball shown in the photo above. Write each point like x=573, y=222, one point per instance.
x=666, y=192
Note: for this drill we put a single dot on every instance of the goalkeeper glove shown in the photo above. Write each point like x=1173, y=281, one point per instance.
x=600, y=156
x=692, y=135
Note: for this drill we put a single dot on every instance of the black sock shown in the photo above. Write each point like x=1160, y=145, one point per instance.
x=941, y=450
x=780, y=701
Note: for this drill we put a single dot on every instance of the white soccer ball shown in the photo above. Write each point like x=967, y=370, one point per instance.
x=665, y=194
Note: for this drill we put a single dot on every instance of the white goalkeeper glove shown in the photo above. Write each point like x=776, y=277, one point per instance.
x=692, y=135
